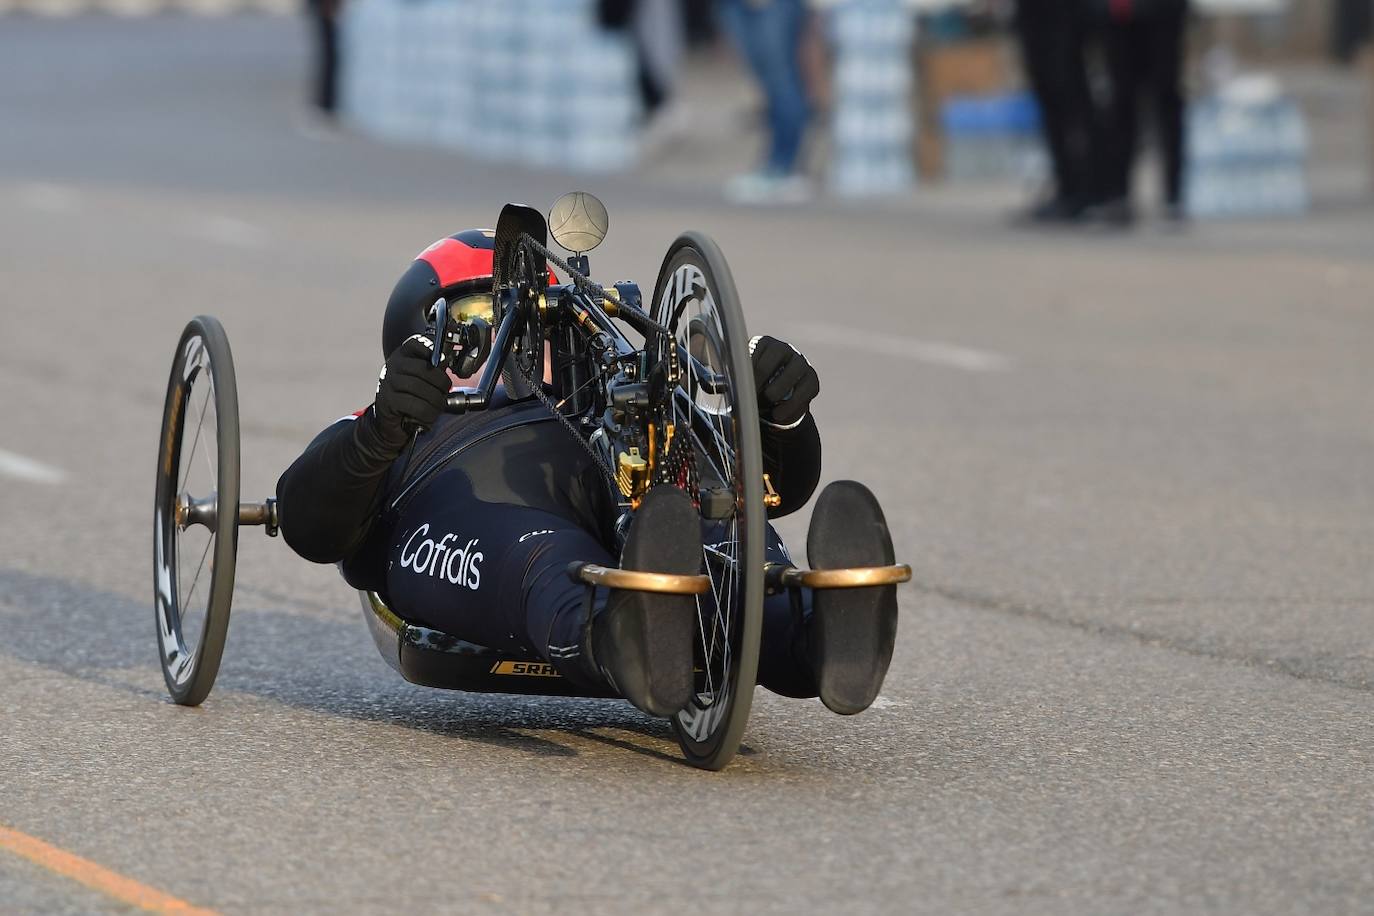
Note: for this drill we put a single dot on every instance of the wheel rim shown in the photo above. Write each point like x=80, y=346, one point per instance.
x=195, y=517
x=186, y=524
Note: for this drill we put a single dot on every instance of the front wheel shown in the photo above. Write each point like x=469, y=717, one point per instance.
x=715, y=404
x=195, y=512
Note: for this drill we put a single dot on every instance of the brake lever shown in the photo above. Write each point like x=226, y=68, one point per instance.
x=438, y=323
x=438, y=326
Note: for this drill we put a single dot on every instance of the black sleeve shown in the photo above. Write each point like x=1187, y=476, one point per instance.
x=328, y=497
x=792, y=461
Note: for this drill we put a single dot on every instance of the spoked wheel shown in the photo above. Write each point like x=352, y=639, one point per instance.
x=195, y=518
x=695, y=296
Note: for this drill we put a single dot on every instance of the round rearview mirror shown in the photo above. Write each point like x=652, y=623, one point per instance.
x=578, y=221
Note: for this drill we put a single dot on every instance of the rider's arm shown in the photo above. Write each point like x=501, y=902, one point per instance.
x=786, y=384
x=792, y=461
x=329, y=496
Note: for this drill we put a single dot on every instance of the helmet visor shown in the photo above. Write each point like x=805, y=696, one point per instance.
x=475, y=305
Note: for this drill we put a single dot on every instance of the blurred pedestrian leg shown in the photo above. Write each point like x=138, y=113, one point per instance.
x=769, y=34
x=1143, y=41
x=1053, y=37
x=325, y=19
x=660, y=36
x=658, y=26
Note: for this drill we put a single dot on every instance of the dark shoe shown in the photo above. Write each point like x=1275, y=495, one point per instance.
x=1050, y=211
x=642, y=641
x=1116, y=213
x=851, y=630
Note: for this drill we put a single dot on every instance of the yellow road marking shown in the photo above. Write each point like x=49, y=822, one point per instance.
x=125, y=890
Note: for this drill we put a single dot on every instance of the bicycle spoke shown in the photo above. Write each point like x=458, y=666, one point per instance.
x=705, y=653
x=723, y=620
x=210, y=465
x=191, y=458
x=205, y=553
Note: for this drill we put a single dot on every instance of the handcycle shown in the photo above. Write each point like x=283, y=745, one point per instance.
x=678, y=408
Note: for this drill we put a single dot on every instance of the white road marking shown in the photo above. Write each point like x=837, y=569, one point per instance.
x=50, y=198
x=21, y=468
x=924, y=351
x=227, y=230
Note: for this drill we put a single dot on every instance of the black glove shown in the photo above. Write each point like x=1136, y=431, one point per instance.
x=785, y=381
x=411, y=392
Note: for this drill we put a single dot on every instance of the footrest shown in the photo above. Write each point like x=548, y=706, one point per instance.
x=777, y=575
x=639, y=581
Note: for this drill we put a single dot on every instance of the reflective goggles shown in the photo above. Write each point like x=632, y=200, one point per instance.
x=466, y=308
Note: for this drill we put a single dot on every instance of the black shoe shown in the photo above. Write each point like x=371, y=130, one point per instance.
x=642, y=641
x=1116, y=213
x=1175, y=215
x=852, y=630
x=1049, y=212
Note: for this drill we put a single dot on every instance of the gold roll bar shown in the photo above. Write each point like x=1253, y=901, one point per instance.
x=854, y=577
x=639, y=581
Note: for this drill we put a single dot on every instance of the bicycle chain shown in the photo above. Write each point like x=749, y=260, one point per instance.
x=679, y=468
x=591, y=287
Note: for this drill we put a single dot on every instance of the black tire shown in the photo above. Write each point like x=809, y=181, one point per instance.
x=190, y=644
x=695, y=296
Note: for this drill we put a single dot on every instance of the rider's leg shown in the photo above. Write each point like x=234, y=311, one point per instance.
x=492, y=574
x=496, y=575
x=783, y=665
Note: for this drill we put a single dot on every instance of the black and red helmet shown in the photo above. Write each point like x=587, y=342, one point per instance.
x=457, y=268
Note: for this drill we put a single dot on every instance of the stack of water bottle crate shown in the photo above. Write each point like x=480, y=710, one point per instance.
x=872, y=126
x=530, y=81
x=1246, y=152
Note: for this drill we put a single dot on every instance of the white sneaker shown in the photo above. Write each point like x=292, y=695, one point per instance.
x=673, y=122
x=768, y=188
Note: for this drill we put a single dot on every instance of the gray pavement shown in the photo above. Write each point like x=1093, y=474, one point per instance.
x=1133, y=475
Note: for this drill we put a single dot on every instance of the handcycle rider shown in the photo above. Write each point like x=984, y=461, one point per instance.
x=469, y=528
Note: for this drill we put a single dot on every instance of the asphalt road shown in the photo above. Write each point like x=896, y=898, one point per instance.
x=1133, y=475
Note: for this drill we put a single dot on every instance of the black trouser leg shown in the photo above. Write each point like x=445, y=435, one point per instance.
x=1037, y=52
x=326, y=56
x=651, y=94
x=1146, y=56
x=1053, y=55
x=1122, y=46
x=1165, y=76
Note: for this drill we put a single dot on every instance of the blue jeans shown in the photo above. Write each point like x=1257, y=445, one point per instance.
x=768, y=33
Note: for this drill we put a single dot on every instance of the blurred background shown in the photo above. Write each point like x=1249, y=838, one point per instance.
x=1244, y=107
